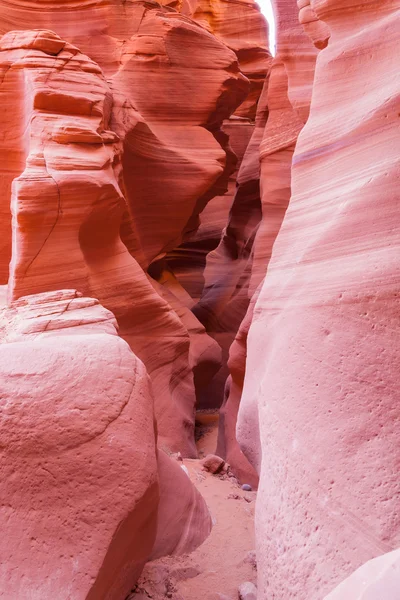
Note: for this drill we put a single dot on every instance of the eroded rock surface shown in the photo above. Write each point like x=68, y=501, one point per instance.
x=264, y=189
x=82, y=231
x=242, y=28
x=322, y=350
x=87, y=499
x=228, y=209
x=99, y=100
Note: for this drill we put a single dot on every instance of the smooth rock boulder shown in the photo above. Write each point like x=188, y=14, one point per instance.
x=183, y=520
x=79, y=481
x=212, y=463
x=87, y=497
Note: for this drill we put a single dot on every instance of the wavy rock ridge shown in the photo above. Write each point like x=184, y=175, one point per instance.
x=71, y=149
x=321, y=350
x=194, y=223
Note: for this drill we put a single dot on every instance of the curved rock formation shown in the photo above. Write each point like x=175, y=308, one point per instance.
x=77, y=436
x=69, y=235
x=86, y=125
x=177, y=146
x=67, y=146
x=174, y=139
x=242, y=28
x=322, y=352
x=103, y=30
x=183, y=520
x=76, y=431
x=266, y=177
x=245, y=467
x=226, y=207
x=188, y=261
x=225, y=295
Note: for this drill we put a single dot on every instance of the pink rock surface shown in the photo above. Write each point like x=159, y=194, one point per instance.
x=271, y=149
x=188, y=261
x=174, y=141
x=178, y=146
x=322, y=348
x=78, y=151
x=77, y=437
x=86, y=498
x=288, y=100
x=117, y=153
x=244, y=466
x=204, y=357
x=379, y=578
x=212, y=264
x=287, y=95
x=225, y=296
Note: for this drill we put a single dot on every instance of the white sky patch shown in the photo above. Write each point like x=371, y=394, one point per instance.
x=266, y=9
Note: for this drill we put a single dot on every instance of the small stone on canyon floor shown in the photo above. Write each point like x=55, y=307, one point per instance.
x=212, y=463
x=247, y=487
x=247, y=591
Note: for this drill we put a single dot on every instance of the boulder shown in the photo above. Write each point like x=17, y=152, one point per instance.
x=212, y=463
x=85, y=492
x=79, y=483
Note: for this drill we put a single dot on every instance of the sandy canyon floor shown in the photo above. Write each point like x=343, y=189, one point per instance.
x=227, y=558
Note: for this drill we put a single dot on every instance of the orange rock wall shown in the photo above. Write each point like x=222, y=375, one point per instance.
x=102, y=245
x=112, y=144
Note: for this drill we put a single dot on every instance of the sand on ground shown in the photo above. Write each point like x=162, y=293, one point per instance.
x=227, y=558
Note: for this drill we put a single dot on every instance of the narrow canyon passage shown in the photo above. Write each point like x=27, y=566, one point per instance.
x=199, y=275
x=227, y=558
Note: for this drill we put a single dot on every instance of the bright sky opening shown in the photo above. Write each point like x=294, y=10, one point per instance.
x=266, y=9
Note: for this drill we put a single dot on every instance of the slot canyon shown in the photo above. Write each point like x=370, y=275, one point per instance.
x=199, y=299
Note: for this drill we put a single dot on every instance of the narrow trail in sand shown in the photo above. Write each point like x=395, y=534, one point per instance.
x=226, y=559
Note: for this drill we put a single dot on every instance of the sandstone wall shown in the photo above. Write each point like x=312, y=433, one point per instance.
x=322, y=352
x=94, y=153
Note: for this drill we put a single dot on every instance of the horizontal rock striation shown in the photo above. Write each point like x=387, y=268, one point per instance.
x=240, y=25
